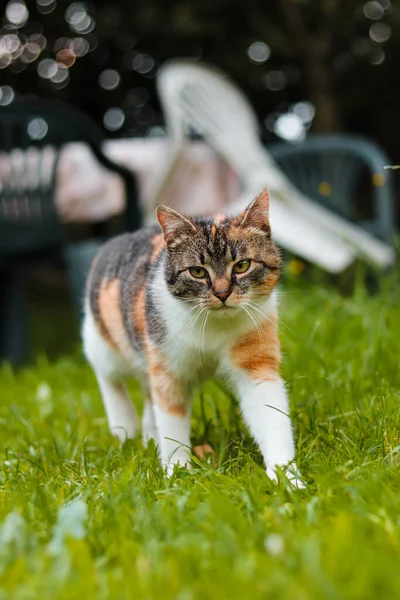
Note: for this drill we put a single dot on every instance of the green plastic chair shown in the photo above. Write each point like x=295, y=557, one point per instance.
x=332, y=169
x=30, y=229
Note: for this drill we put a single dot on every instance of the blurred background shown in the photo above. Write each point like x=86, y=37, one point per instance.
x=307, y=67
x=319, y=65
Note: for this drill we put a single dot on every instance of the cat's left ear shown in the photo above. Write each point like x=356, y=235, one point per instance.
x=173, y=224
x=257, y=213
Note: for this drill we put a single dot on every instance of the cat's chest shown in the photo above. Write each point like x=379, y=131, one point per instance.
x=198, y=354
x=190, y=360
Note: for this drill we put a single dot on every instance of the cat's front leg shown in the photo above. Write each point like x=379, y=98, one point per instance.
x=265, y=408
x=172, y=416
x=253, y=368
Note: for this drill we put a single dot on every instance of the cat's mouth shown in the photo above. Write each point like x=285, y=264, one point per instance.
x=222, y=308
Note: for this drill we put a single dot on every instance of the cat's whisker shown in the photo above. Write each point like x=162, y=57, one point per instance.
x=262, y=335
x=202, y=335
x=266, y=316
x=255, y=307
x=279, y=320
x=252, y=318
x=187, y=312
x=195, y=319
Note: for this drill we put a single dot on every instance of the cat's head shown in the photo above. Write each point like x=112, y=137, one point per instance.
x=223, y=262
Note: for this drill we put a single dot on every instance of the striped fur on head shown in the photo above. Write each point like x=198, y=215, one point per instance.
x=217, y=245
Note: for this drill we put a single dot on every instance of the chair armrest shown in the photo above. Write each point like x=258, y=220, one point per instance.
x=133, y=211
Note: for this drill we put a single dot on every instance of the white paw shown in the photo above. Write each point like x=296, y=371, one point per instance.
x=181, y=460
x=149, y=434
x=292, y=474
x=297, y=483
x=271, y=473
x=124, y=432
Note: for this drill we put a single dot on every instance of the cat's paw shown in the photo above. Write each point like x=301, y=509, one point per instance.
x=149, y=434
x=271, y=474
x=124, y=432
x=182, y=461
x=296, y=482
x=292, y=475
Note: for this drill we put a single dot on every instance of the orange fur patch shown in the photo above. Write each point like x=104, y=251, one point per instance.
x=158, y=244
x=258, y=352
x=139, y=310
x=268, y=285
x=166, y=392
x=219, y=218
x=112, y=325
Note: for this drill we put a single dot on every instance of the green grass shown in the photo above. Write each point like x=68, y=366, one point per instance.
x=81, y=518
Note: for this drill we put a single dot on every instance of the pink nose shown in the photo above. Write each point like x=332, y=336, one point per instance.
x=222, y=295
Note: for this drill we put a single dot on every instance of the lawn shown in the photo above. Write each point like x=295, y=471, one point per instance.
x=82, y=518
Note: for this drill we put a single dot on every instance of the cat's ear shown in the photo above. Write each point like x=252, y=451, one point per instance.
x=257, y=213
x=173, y=224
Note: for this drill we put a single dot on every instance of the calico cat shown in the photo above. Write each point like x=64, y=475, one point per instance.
x=175, y=306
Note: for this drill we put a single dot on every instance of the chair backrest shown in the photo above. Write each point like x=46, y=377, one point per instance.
x=32, y=133
x=336, y=170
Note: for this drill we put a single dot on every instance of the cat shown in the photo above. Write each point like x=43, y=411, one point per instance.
x=177, y=305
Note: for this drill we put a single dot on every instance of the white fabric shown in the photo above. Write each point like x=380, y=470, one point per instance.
x=202, y=183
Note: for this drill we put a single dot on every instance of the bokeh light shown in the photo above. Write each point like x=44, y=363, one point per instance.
x=290, y=127
x=17, y=13
x=47, y=68
x=157, y=131
x=45, y=7
x=7, y=95
x=66, y=57
x=78, y=18
x=275, y=80
x=305, y=111
x=80, y=46
x=259, y=52
x=61, y=77
x=30, y=52
x=377, y=56
x=380, y=32
x=142, y=63
x=109, y=79
x=374, y=10
x=60, y=43
x=38, y=39
x=37, y=129
x=114, y=119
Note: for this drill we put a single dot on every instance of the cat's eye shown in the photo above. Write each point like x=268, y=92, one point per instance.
x=242, y=266
x=198, y=272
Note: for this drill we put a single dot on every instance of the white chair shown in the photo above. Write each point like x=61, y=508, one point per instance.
x=204, y=99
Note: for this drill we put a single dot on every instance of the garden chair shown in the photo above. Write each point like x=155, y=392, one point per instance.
x=331, y=168
x=201, y=98
x=32, y=134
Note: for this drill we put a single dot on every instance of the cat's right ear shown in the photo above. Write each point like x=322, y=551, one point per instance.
x=257, y=214
x=173, y=224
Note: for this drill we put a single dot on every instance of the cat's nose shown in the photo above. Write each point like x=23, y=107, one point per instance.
x=222, y=294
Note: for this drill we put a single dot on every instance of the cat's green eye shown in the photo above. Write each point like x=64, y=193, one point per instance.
x=242, y=266
x=198, y=272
